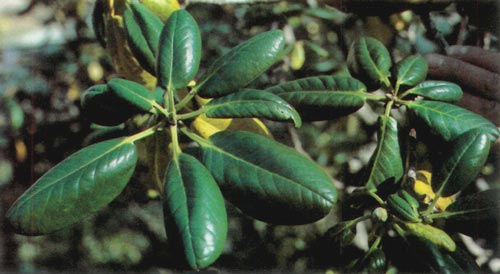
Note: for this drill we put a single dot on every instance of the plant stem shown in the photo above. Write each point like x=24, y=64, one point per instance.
x=176, y=149
x=143, y=134
x=187, y=98
x=161, y=109
x=193, y=136
x=190, y=115
x=374, y=97
x=376, y=197
x=388, y=108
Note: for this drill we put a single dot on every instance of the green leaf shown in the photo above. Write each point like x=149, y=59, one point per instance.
x=194, y=211
x=133, y=93
x=475, y=215
x=180, y=51
x=143, y=33
x=450, y=121
x=429, y=253
x=411, y=71
x=437, y=90
x=322, y=97
x=242, y=64
x=483, y=205
x=462, y=163
x=386, y=162
x=267, y=180
x=369, y=60
x=76, y=188
x=102, y=107
x=252, y=103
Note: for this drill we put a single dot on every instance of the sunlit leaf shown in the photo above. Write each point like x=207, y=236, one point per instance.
x=194, y=211
x=252, y=103
x=242, y=64
x=76, y=188
x=267, y=180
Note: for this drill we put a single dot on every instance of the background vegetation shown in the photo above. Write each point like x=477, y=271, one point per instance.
x=49, y=56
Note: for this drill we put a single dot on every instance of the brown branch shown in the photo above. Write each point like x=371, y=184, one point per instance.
x=477, y=56
x=473, y=79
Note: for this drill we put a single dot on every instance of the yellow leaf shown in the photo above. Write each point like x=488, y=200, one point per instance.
x=124, y=61
x=297, y=56
x=161, y=8
x=21, y=151
x=205, y=126
x=422, y=187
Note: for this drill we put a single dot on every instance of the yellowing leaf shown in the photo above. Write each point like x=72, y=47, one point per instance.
x=124, y=61
x=116, y=38
x=161, y=8
x=206, y=127
x=422, y=187
x=297, y=56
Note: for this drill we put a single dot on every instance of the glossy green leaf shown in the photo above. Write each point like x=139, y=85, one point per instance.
x=267, y=180
x=180, y=51
x=322, y=97
x=252, y=103
x=411, y=71
x=76, y=188
x=102, y=107
x=430, y=254
x=402, y=209
x=450, y=121
x=194, y=211
x=133, y=93
x=369, y=60
x=475, y=215
x=386, y=162
x=462, y=163
x=483, y=205
x=143, y=33
x=242, y=64
x=437, y=90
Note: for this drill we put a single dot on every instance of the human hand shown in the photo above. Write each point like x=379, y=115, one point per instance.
x=477, y=71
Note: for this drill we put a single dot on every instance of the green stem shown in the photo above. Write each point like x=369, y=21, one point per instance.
x=357, y=220
x=143, y=134
x=193, y=136
x=399, y=230
x=161, y=109
x=405, y=93
x=387, y=83
x=374, y=97
x=376, y=198
x=191, y=115
x=388, y=108
x=374, y=245
x=176, y=149
x=396, y=89
x=187, y=98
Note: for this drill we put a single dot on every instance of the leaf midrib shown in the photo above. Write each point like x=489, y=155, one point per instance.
x=261, y=168
x=59, y=180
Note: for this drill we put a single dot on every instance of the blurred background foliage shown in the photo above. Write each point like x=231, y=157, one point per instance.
x=49, y=55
